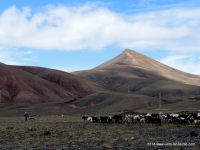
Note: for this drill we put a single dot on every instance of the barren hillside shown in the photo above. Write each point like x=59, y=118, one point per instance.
x=130, y=81
x=139, y=74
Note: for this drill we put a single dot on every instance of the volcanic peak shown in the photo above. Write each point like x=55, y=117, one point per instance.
x=130, y=58
x=135, y=55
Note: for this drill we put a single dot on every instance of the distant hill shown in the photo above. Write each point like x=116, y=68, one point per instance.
x=138, y=74
x=29, y=85
x=131, y=64
x=130, y=81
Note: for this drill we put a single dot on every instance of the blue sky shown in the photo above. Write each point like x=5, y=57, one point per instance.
x=78, y=35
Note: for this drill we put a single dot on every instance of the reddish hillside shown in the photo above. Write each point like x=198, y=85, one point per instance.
x=130, y=81
x=38, y=85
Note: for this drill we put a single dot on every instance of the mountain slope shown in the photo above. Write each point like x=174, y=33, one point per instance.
x=129, y=60
x=139, y=74
x=20, y=87
x=77, y=86
x=20, y=84
x=130, y=81
x=33, y=85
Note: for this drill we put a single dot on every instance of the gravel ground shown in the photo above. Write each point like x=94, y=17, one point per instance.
x=69, y=132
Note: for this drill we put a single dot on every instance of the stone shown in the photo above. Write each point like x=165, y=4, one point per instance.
x=107, y=145
x=132, y=138
x=31, y=129
x=194, y=133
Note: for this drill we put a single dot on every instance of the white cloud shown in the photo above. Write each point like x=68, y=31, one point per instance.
x=28, y=52
x=67, y=68
x=7, y=57
x=174, y=58
x=34, y=58
x=93, y=27
x=186, y=63
x=15, y=56
x=147, y=5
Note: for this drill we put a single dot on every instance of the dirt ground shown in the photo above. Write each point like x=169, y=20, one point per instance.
x=71, y=132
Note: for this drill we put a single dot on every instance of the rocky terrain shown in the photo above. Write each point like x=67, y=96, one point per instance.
x=71, y=132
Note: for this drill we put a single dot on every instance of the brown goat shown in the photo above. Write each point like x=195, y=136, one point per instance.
x=31, y=119
x=9, y=127
x=47, y=132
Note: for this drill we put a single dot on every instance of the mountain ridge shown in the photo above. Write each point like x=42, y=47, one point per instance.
x=139, y=74
x=129, y=58
x=26, y=85
x=129, y=81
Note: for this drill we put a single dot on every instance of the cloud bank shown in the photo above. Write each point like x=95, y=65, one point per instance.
x=92, y=27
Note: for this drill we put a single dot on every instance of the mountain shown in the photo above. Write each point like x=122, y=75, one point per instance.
x=139, y=74
x=130, y=81
x=30, y=85
x=132, y=60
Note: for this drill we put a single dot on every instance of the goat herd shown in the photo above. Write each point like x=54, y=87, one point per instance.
x=157, y=119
